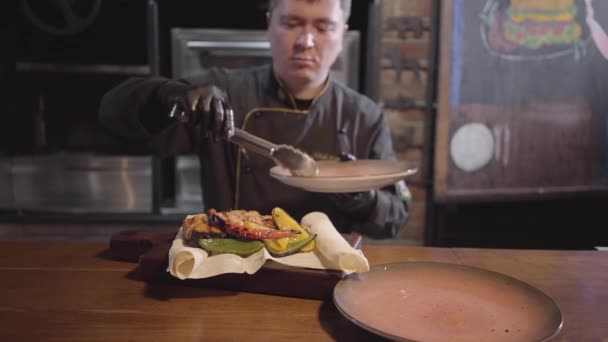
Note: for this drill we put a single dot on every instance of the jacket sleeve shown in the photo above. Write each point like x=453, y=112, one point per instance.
x=137, y=110
x=389, y=215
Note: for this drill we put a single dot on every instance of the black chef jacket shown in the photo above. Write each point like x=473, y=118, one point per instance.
x=338, y=120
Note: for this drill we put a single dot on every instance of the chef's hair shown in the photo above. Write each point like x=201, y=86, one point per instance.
x=344, y=4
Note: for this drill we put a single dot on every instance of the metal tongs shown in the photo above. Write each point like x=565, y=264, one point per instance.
x=295, y=160
x=287, y=156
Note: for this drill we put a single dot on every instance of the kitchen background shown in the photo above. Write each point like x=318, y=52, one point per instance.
x=58, y=165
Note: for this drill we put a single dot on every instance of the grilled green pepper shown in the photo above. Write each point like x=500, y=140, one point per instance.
x=292, y=247
x=234, y=246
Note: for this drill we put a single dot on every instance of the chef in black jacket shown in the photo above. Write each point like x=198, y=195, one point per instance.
x=292, y=101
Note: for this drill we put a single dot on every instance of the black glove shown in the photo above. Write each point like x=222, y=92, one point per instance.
x=357, y=203
x=204, y=105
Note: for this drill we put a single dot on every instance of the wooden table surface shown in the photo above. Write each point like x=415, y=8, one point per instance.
x=73, y=291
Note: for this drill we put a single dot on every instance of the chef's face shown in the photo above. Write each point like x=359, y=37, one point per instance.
x=306, y=38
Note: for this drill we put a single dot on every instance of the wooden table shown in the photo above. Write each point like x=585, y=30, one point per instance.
x=75, y=292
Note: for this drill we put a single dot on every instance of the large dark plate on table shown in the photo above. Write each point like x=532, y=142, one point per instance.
x=430, y=301
x=150, y=250
x=347, y=176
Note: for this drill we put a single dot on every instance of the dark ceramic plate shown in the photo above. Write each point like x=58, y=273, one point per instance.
x=427, y=301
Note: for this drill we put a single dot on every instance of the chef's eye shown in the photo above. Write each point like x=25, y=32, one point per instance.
x=324, y=27
x=290, y=23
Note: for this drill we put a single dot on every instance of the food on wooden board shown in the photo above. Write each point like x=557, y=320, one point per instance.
x=244, y=232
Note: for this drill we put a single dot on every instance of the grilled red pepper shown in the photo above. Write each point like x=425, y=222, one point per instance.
x=237, y=229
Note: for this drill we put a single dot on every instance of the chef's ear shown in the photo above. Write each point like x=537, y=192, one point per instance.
x=268, y=17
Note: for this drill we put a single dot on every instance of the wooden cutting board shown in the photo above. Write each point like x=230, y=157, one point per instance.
x=150, y=250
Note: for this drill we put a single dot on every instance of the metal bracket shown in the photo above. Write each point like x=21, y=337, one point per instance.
x=403, y=25
x=400, y=62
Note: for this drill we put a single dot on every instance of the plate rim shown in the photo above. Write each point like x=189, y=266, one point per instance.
x=407, y=172
x=348, y=184
x=475, y=268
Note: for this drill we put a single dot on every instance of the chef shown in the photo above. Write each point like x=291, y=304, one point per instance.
x=293, y=101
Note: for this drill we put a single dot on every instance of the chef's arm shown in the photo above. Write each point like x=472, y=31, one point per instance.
x=133, y=110
x=138, y=111
x=386, y=218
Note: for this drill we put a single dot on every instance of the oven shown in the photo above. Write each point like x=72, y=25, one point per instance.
x=58, y=61
x=56, y=157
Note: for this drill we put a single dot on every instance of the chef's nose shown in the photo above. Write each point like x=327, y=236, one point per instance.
x=305, y=40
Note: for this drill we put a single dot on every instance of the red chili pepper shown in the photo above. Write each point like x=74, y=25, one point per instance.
x=256, y=234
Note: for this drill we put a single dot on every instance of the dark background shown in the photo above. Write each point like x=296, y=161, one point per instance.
x=117, y=36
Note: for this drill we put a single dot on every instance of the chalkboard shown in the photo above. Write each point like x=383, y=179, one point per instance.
x=523, y=98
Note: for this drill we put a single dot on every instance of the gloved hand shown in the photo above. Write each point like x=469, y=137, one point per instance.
x=204, y=105
x=357, y=203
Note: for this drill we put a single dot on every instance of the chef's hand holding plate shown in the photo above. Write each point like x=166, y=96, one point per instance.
x=354, y=203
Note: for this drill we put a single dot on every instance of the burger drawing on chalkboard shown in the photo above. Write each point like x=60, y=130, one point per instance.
x=531, y=29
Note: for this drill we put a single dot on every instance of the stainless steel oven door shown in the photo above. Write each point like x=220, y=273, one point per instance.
x=82, y=183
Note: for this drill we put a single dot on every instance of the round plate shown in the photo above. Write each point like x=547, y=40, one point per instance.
x=428, y=301
x=348, y=176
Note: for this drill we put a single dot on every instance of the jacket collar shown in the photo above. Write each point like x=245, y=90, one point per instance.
x=281, y=94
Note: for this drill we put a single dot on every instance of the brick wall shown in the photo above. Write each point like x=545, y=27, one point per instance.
x=404, y=46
